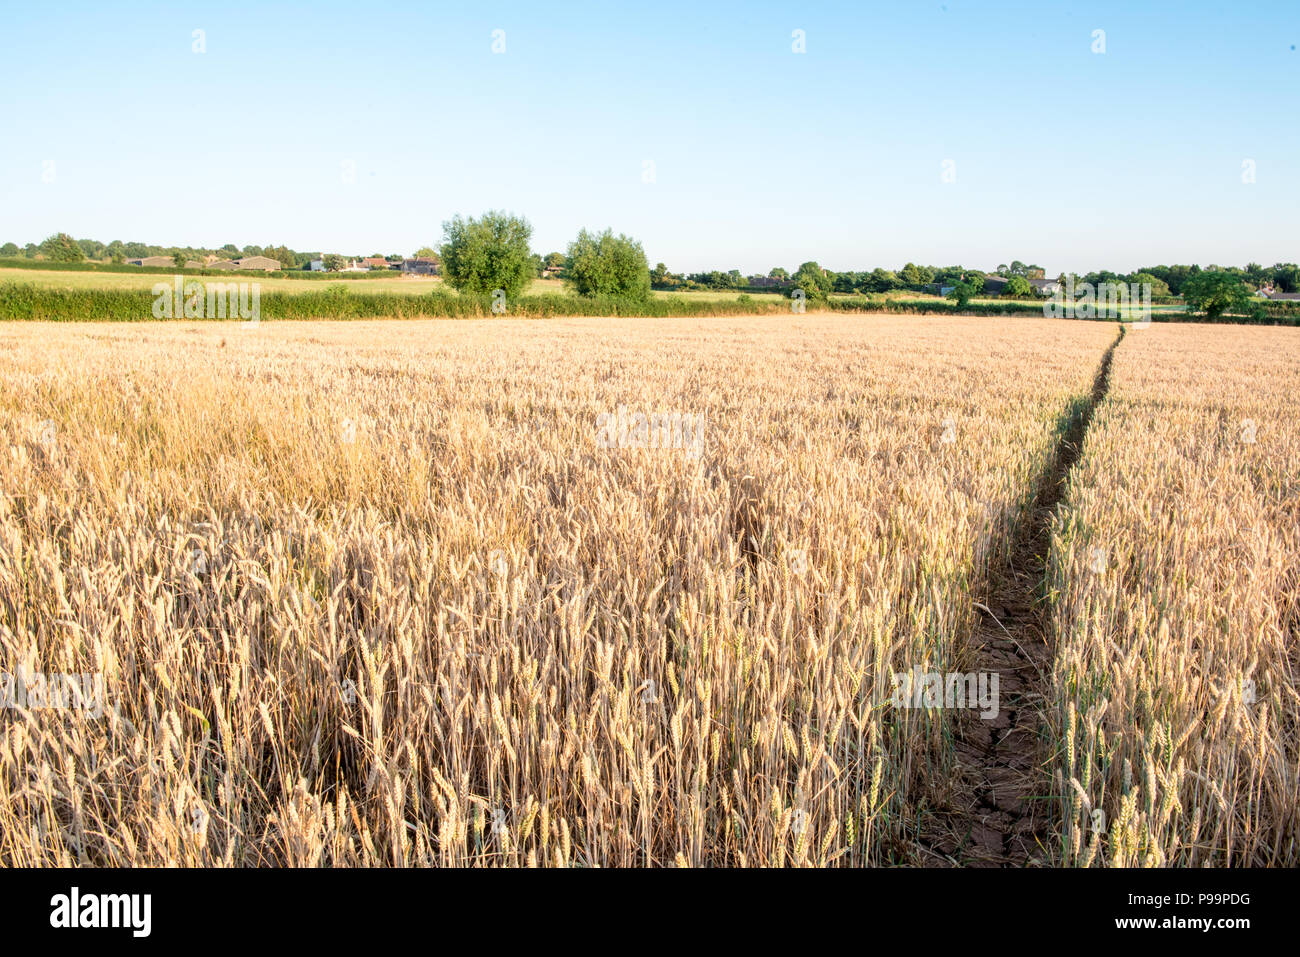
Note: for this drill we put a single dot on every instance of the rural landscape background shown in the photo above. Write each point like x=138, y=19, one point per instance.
x=649, y=451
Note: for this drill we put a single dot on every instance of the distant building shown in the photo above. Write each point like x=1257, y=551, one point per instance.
x=767, y=282
x=375, y=262
x=316, y=265
x=993, y=286
x=152, y=261
x=193, y=264
x=263, y=263
x=223, y=264
x=420, y=266
x=1268, y=291
x=1045, y=287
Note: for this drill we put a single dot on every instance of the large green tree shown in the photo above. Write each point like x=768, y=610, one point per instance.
x=480, y=256
x=812, y=279
x=1215, y=293
x=910, y=275
x=62, y=248
x=1017, y=287
x=602, y=264
x=1158, y=286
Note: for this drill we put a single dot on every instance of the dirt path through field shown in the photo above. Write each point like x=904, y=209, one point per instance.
x=1001, y=815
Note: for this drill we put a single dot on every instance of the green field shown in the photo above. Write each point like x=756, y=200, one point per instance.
x=415, y=286
x=410, y=285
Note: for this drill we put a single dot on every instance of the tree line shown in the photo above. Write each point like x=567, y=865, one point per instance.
x=481, y=255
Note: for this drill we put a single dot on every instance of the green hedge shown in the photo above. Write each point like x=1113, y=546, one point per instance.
x=31, y=301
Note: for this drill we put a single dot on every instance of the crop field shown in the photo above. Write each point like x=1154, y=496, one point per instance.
x=1176, y=578
x=72, y=279
x=399, y=593
x=80, y=279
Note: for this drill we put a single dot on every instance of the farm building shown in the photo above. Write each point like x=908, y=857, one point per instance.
x=420, y=266
x=375, y=262
x=1269, y=291
x=152, y=261
x=224, y=264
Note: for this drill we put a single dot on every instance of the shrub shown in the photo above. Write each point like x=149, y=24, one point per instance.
x=482, y=255
x=602, y=264
x=62, y=248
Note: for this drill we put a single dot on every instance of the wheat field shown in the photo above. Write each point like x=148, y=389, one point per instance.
x=1176, y=604
x=375, y=594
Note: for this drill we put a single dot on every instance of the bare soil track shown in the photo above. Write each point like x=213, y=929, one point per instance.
x=999, y=815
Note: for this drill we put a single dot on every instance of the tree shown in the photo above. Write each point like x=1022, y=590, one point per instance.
x=333, y=262
x=178, y=258
x=1158, y=286
x=1286, y=276
x=602, y=264
x=1215, y=293
x=910, y=275
x=557, y=260
x=960, y=293
x=92, y=248
x=9, y=249
x=427, y=252
x=812, y=279
x=1017, y=287
x=846, y=282
x=285, y=256
x=882, y=280
x=62, y=248
x=778, y=272
x=480, y=256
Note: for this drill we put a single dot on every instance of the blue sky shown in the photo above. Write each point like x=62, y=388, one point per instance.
x=762, y=157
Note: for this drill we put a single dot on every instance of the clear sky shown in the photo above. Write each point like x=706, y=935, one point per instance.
x=762, y=156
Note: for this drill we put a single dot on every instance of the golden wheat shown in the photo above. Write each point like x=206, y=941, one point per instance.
x=374, y=594
x=1177, y=607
